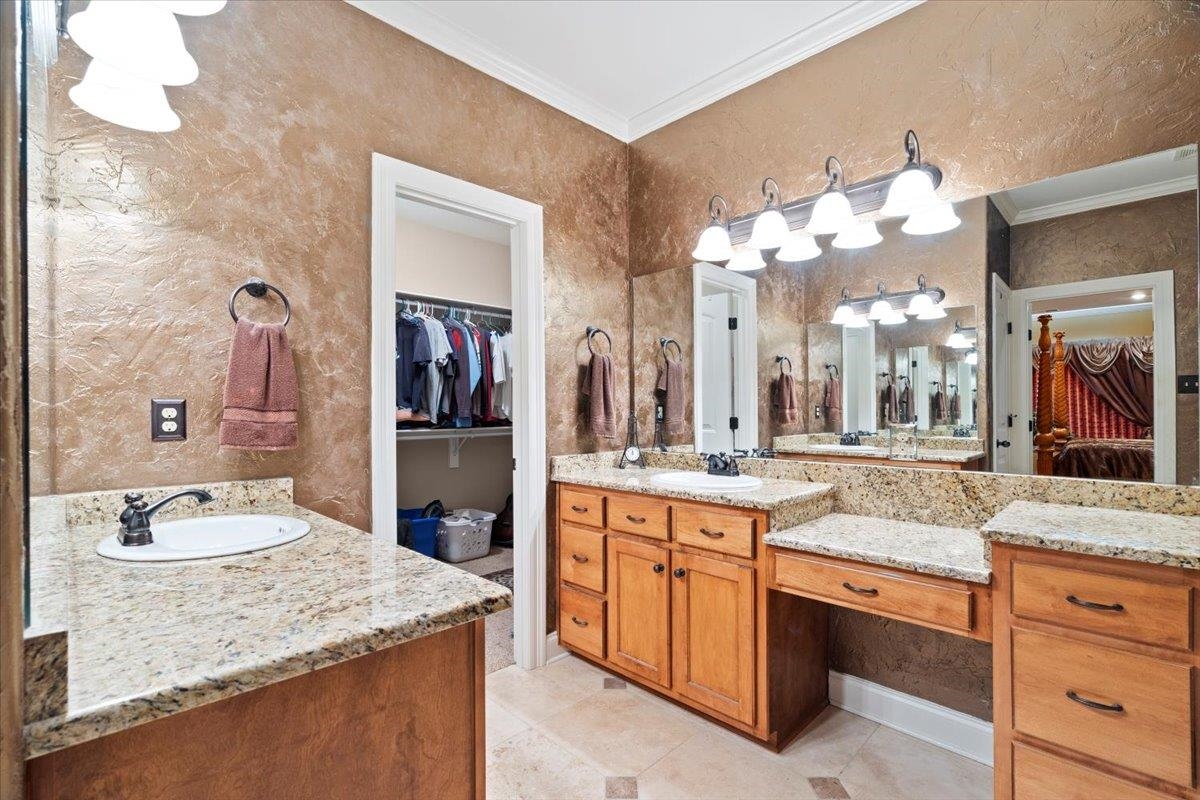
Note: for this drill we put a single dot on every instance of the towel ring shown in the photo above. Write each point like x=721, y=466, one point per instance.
x=257, y=287
x=833, y=368
x=779, y=360
x=664, y=343
x=592, y=330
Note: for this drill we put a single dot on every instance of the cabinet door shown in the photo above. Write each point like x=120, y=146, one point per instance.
x=639, y=609
x=713, y=634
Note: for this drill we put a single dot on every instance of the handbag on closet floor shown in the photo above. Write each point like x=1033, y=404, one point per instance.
x=502, y=529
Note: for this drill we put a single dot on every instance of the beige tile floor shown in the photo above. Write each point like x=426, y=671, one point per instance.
x=570, y=730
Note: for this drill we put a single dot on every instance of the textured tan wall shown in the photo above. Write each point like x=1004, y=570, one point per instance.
x=1148, y=236
x=270, y=174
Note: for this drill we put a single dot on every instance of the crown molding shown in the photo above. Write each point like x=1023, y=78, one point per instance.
x=1007, y=208
x=1120, y=197
x=439, y=33
x=835, y=28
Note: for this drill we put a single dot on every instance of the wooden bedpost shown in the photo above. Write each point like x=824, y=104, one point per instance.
x=1043, y=441
x=1059, y=422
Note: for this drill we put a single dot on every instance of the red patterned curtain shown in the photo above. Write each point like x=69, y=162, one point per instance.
x=1089, y=415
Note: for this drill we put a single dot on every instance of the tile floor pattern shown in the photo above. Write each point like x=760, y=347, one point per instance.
x=571, y=730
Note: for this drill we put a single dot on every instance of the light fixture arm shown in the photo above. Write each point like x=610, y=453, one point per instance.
x=718, y=211
x=835, y=175
x=912, y=146
x=772, y=194
x=860, y=305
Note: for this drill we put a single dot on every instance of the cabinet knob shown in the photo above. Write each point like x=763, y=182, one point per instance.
x=660, y=568
x=680, y=572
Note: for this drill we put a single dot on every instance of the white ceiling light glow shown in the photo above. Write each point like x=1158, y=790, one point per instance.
x=770, y=228
x=832, y=212
x=714, y=246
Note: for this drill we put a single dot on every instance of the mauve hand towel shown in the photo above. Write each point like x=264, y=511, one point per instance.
x=783, y=399
x=599, y=389
x=262, y=397
x=670, y=387
x=833, y=400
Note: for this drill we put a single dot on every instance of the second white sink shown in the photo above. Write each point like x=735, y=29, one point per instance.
x=208, y=537
x=703, y=482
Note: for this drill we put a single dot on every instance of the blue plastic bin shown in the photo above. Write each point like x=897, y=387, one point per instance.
x=424, y=530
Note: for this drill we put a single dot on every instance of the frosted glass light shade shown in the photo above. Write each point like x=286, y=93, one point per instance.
x=843, y=314
x=859, y=321
x=830, y=214
x=770, y=230
x=919, y=303
x=798, y=247
x=714, y=244
x=934, y=312
x=894, y=318
x=135, y=37
x=879, y=309
x=911, y=191
x=191, y=8
x=957, y=341
x=124, y=100
x=937, y=218
x=746, y=260
x=857, y=235
x=973, y=357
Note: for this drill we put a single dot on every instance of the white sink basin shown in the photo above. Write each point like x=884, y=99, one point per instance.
x=208, y=537
x=703, y=482
x=844, y=448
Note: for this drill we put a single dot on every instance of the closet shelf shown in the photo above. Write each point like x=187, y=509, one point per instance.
x=425, y=434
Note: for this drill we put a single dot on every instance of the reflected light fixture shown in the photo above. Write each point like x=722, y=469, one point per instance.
x=770, y=228
x=798, y=247
x=122, y=99
x=933, y=312
x=937, y=218
x=1138, y=295
x=859, y=321
x=972, y=357
x=857, y=235
x=959, y=339
x=912, y=189
x=138, y=38
x=832, y=212
x=746, y=259
x=844, y=313
x=714, y=245
x=893, y=318
x=881, y=307
x=921, y=301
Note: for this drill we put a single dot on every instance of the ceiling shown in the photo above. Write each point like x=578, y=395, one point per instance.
x=1101, y=302
x=629, y=67
x=1140, y=178
x=453, y=221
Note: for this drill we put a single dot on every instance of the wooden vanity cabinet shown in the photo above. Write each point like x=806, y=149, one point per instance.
x=639, y=610
x=1096, y=677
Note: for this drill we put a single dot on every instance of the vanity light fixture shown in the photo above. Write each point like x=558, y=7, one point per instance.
x=857, y=235
x=746, y=259
x=714, y=246
x=859, y=321
x=138, y=38
x=770, y=228
x=972, y=357
x=912, y=189
x=893, y=318
x=798, y=247
x=963, y=338
x=933, y=312
x=921, y=301
x=124, y=100
x=844, y=313
x=881, y=307
x=937, y=218
x=832, y=212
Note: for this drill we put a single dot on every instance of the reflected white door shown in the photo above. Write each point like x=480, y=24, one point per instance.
x=1003, y=399
x=716, y=378
x=921, y=388
x=858, y=379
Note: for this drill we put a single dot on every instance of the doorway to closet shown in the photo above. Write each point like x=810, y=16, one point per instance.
x=458, y=409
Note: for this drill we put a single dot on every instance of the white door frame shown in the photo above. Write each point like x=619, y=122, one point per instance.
x=745, y=348
x=1021, y=377
x=859, y=382
x=1003, y=337
x=391, y=180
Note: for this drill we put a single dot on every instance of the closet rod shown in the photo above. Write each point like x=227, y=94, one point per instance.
x=482, y=308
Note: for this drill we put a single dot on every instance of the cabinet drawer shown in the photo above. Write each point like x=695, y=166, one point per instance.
x=1127, y=608
x=581, y=621
x=1123, y=708
x=581, y=557
x=645, y=516
x=1040, y=776
x=723, y=533
x=585, y=508
x=876, y=591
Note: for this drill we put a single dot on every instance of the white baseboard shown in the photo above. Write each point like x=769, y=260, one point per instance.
x=554, y=651
x=960, y=733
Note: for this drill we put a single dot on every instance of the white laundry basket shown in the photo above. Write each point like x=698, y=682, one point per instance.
x=463, y=534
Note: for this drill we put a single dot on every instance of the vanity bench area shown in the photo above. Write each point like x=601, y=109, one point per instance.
x=720, y=603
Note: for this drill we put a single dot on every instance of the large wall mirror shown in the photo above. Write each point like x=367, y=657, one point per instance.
x=1065, y=342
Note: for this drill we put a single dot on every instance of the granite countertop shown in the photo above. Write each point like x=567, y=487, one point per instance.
x=1131, y=535
x=772, y=495
x=931, y=549
x=902, y=454
x=149, y=640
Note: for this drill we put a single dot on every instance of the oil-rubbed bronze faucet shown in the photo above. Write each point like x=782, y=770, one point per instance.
x=135, y=519
x=721, y=464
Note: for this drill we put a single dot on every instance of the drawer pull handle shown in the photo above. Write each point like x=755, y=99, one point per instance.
x=1075, y=601
x=1115, y=708
x=660, y=568
x=580, y=622
x=680, y=572
x=713, y=534
x=859, y=589
x=635, y=520
x=579, y=509
x=578, y=558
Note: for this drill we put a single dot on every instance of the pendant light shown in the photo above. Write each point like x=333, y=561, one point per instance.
x=746, y=259
x=770, y=228
x=124, y=100
x=912, y=189
x=798, y=247
x=937, y=218
x=138, y=38
x=844, y=313
x=857, y=235
x=832, y=212
x=881, y=307
x=714, y=246
x=921, y=301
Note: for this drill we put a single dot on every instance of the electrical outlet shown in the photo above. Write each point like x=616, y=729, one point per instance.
x=168, y=420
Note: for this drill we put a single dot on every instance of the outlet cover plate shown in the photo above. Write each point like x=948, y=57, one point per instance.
x=168, y=420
